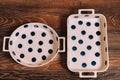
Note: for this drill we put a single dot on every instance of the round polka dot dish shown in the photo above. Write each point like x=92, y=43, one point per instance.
x=87, y=46
x=34, y=44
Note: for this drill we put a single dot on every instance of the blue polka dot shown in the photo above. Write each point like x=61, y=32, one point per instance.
x=80, y=41
x=30, y=49
x=40, y=42
x=89, y=47
x=23, y=36
x=51, y=41
x=74, y=48
x=13, y=53
x=74, y=59
x=88, y=23
x=80, y=22
x=83, y=32
x=97, y=54
x=36, y=26
x=39, y=50
x=33, y=59
x=105, y=62
x=82, y=53
x=75, y=16
x=18, y=60
x=19, y=45
x=106, y=49
x=90, y=36
x=51, y=32
x=104, y=24
x=84, y=65
x=96, y=24
x=50, y=51
x=43, y=57
x=73, y=37
x=98, y=43
x=10, y=42
x=30, y=41
x=44, y=26
x=104, y=38
x=73, y=27
x=43, y=34
x=93, y=63
x=25, y=26
x=22, y=55
x=32, y=33
x=17, y=34
x=98, y=33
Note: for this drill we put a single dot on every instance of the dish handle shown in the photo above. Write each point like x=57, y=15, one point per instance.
x=86, y=10
x=88, y=74
x=4, y=44
x=63, y=39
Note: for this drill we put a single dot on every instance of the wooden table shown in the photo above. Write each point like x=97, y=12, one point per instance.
x=14, y=13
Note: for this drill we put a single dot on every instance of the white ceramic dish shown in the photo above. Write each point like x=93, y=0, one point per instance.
x=87, y=44
x=34, y=44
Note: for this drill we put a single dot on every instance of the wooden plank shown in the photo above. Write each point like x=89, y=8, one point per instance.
x=13, y=16
x=60, y=3
x=111, y=74
x=114, y=40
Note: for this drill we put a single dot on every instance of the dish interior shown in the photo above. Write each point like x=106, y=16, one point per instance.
x=87, y=43
x=33, y=44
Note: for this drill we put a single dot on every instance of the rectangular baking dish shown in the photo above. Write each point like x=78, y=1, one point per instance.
x=87, y=43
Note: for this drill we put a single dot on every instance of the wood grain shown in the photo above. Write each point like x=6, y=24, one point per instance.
x=14, y=13
x=111, y=74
